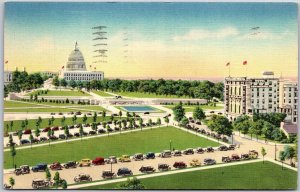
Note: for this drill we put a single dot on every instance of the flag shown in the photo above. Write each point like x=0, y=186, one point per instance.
x=227, y=64
x=245, y=63
x=6, y=62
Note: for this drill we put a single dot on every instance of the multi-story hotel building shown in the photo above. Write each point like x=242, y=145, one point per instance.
x=266, y=94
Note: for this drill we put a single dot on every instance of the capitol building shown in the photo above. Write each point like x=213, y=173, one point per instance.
x=76, y=68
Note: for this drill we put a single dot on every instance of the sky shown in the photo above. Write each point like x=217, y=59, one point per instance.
x=156, y=40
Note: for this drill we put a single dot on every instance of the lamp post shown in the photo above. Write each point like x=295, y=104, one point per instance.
x=170, y=145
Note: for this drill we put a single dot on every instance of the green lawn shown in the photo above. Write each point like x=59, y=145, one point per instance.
x=144, y=141
x=252, y=176
x=60, y=93
x=12, y=104
x=102, y=93
x=154, y=111
x=83, y=108
x=145, y=95
x=190, y=108
x=57, y=122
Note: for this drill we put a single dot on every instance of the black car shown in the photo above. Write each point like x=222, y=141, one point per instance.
x=53, y=137
x=78, y=113
x=70, y=164
x=117, y=129
x=92, y=133
x=24, y=141
x=76, y=134
x=150, y=155
x=209, y=149
x=189, y=151
x=62, y=136
x=146, y=113
x=124, y=172
x=39, y=167
x=209, y=161
x=71, y=126
x=223, y=148
x=85, y=133
x=110, y=130
x=70, y=135
x=101, y=131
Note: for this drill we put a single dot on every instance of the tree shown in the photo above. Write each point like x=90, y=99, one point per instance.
x=48, y=174
x=133, y=184
x=103, y=114
x=141, y=123
x=198, y=113
x=49, y=122
x=20, y=134
x=239, y=124
x=263, y=153
x=120, y=114
x=55, y=81
x=31, y=139
x=37, y=132
x=49, y=135
x=95, y=117
x=81, y=131
x=167, y=120
x=267, y=130
x=23, y=125
x=184, y=121
x=281, y=157
x=12, y=182
x=64, y=184
x=63, y=82
x=26, y=123
x=67, y=132
x=52, y=120
x=220, y=124
x=158, y=122
x=256, y=127
x=74, y=118
x=72, y=84
x=62, y=121
x=150, y=122
x=56, y=179
x=179, y=112
x=289, y=153
x=13, y=153
x=10, y=140
x=11, y=125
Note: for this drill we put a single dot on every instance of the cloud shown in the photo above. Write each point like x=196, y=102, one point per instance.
x=265, y=35
x=199, y=34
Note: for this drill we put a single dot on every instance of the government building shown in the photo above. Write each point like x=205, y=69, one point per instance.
x=266, y=94
x=76, y=68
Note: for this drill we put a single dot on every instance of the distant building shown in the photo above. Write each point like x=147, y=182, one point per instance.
x=76, y=68
x=8, y=75
x=49, y=73
x=266, y=94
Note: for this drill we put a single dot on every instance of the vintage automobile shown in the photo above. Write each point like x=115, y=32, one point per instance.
x=84, y=163
x=82, y=177
x=124, y=158
x=23, y=169
x=163, y=167
x=56, y=166
x=34, y=140
x=110, y=129
x=253, y=154
x=150, y=155
x=60, y=113
x=62, y=136
x=13, y=143
x=147, y=169
x=6, y=186
x=70, y=164
x=108, y=174
x=235, y=157
x=111, y=159
x=98, y=161
x=177, y=153
x=195, y=163
x=165, y=154
x=200, y=150
x=27, y=131
x=209, y=161
x=124, y=171
x=231, y=147
x=40, y=183
x=223, y=148
x=77, y=134
x=39, y=167
x=245, y=156
x=46, y=129
x=43, y=139
x=78, y=113
x=101, y=131
x=188, y=151
x=209, y=149
x=138, y=157
x=226, y=159
x=53, y=137
x=24, y=141
x=179, y=165
x=54, y=128
x=92, y=132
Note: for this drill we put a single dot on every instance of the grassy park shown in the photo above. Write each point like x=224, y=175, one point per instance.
x=190, y=108
x=144, y=141
x=59, y=93
x=145, y=95
x=252, y=176
x=102, y=93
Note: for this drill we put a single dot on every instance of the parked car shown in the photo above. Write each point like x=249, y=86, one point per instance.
x=98, y=161
x=108, y=174
x=253, y=154
x=84, y=163
x=89, y=114
x=188, y=151
x=199, y=150
x=54, y=128
x=138, y=157
x=84, y=133
x=23, y=169
x=209, y=149
x=34, y=140
x=43, y=139
x=71, y=126
x=245, y=156
x=70, y=164
x=101, y=131
x=24, y=141
x=226, y=159
x=39, y=167
x=150, y=155
x=231, y=147
x=209, y=161
x=92, y=133
x=235, y=157
x=46, y=129
x=40, y=183
x=111, y=159
x=77, y=134
x=62, y=136
x=70, y=135
x=163, y=167
x=146, y=113
x=56, y=166
x=110, y=129
x=82, y=177
x=165, y=154
x=195, y=163
x=78, y=113
x=52, y=113
x=53, y=137
x=177, y=153
x=60, y=113
x=179, y=165
x=124, y=158
x=223, y=148
x=124, y=171
x=147, y=169
x=27, y=131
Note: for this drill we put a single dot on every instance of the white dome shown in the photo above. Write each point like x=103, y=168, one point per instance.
x=76, y=61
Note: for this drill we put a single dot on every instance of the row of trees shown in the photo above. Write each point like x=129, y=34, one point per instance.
x=194, y=89
x=265, y=125
x=22, y=81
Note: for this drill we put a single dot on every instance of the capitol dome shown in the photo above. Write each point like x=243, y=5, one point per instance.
x=76, y=61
